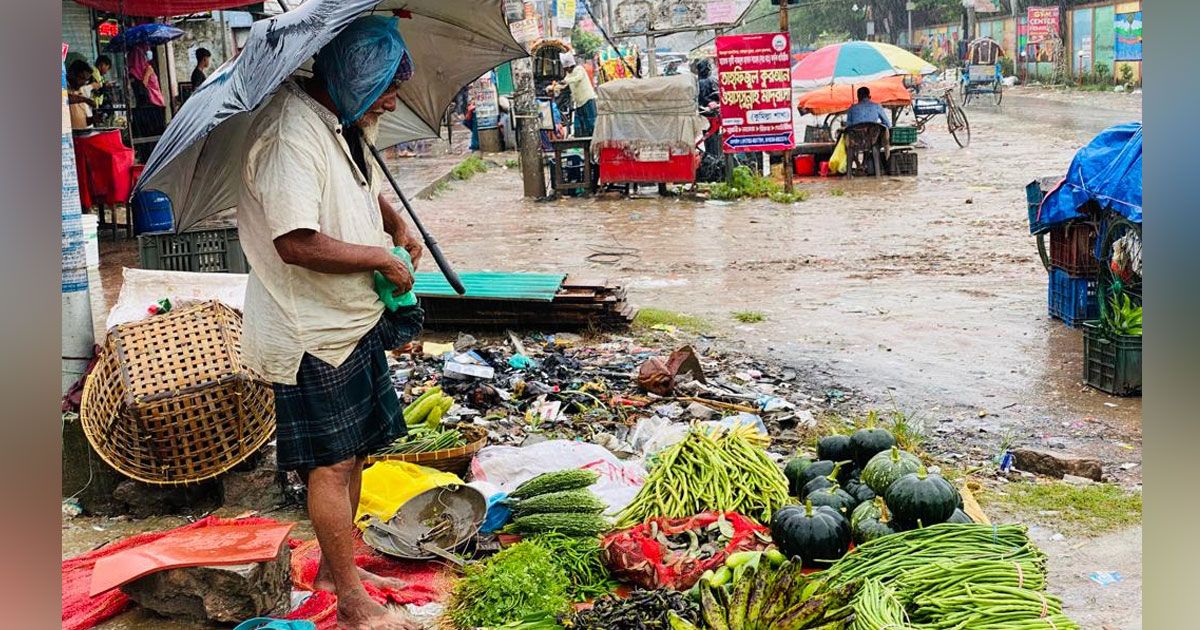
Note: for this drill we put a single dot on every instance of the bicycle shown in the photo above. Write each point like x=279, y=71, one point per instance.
x=924, y=109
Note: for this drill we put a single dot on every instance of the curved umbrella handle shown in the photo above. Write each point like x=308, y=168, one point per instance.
x=430, y=242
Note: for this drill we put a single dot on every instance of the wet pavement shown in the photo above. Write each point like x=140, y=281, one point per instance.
x=925, y=293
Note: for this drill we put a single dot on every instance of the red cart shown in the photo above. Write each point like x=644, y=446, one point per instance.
x=648, y=131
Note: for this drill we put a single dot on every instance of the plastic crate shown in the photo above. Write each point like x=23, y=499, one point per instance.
x=928, y=106
x=215, y=250
x=1072, y=299
x=904, y=135
x=902, y=163
x=817, y=134
x=1072, y=248
x=1112, y=363
x=1035, y=192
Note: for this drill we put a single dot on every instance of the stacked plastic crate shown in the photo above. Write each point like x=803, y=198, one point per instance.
x=1071, y=293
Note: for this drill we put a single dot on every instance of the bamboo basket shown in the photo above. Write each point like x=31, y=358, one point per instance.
x=452, y=460
x=169, y=401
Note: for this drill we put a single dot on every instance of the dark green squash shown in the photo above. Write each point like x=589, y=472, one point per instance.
x=834, y=448
x=866, y=443
x=921, y=498
x=819, y=535
x=960, y=516
x=794, y=471
x=870, y=521
x=888, y=466
x=834, y=497
x=820, y=483
x=859, y=490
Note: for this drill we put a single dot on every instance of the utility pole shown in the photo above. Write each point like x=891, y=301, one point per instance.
x=786, y=27
x=528, y=124
x=909, y=6
x=970, y=5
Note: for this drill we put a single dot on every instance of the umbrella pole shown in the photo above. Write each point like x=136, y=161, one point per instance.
x=430, y=241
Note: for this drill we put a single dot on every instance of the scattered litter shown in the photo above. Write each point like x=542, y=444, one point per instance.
x=1104, y=578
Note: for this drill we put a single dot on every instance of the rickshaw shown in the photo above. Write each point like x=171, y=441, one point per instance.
x=982, y=74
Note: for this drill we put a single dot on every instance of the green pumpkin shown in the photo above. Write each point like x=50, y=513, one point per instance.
x=866, y=443
x=859, y=490
x=794, y=471
x=834, y=448
x=834, y=497
x=921, y=499
x=821, y=483
x=888, y=466
x=870, y=521
x=960, y=516
x=818, y=535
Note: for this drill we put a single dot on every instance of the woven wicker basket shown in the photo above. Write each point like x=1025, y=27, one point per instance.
x=453, y=460
x=169, y=401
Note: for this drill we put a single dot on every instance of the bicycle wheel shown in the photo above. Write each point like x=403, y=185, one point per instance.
x=1042, y=252
x=964, y=94
x=956, y=121
x=998, y=94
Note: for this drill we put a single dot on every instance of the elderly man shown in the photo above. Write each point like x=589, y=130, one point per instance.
x=315, y=228
x=583, y=95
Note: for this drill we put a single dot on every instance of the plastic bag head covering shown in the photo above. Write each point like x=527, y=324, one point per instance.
x=566, y=59
x=361, y=62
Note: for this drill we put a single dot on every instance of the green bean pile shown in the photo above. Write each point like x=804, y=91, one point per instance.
x=582, y=559
x=951, y=577
x=888, y=557
x=709, y=471
x=424, y=440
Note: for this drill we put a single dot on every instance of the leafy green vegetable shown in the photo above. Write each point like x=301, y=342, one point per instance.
x=582, y=559
x=1123, y=317
x=515, y=584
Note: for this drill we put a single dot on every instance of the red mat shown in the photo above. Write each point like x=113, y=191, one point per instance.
x=426, y=581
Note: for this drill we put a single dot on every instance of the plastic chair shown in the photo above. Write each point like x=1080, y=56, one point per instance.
x=862, y=139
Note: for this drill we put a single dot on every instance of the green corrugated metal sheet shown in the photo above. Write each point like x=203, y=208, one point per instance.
x=533, y=287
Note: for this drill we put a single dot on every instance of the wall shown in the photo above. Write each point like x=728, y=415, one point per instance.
x=77, y=30
x=938, y=42
x=205, y=33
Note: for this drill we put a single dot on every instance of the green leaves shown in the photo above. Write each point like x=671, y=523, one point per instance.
x=1123, y=317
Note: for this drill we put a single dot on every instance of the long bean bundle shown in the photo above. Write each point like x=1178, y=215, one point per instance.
x=709, y=471
x=876, y=606
x=425, y=440
x=977, y=605
x=889, y=557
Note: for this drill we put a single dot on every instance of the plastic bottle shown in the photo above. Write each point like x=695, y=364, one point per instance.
x=386, y=289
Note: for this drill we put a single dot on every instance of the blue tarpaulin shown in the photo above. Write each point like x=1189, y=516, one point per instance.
x=1108, y=171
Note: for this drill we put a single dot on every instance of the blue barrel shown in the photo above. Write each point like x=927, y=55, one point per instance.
x=152, y=212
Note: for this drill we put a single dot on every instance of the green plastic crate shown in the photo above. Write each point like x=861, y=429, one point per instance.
x=1112, y=363
x=210, y=250
x=904, y=135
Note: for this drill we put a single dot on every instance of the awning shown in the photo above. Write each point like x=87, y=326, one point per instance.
x=161, y=8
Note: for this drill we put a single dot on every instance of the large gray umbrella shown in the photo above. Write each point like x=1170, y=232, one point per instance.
x=198, y=159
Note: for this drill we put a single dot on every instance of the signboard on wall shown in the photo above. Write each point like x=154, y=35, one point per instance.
x=564, y=14
x=755, y=82
x=643, y=17
x=527, y=30
x=482, y=94
x=1041, y=24
x=1128, y=28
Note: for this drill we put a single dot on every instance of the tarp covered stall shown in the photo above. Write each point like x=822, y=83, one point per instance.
x=1108, y=171
x=659, y=112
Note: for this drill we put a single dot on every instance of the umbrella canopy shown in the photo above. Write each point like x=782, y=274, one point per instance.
x=198, y=160
x=148, y=34
x=856, y=63
x=831, y=99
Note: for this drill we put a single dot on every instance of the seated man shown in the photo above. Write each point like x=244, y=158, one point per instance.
x=867, y=111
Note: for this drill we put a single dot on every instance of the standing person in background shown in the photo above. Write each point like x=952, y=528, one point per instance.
x=79, y=94
x=583, y=95
x=149, y=118
x=203, y=59
x=100, y=83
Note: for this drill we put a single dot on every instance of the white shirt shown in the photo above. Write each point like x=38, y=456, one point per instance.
x=298, y=174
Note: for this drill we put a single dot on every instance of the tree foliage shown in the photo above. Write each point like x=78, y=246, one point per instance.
x=585, y=44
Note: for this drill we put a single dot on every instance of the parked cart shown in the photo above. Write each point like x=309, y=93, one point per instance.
x=982, y=74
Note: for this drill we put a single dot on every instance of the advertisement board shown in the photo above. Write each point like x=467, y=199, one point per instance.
x=1041, y=24
x=754, y=78
x=649, y=17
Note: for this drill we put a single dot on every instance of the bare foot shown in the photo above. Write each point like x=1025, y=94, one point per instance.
x=324, y=580
x=358, y=612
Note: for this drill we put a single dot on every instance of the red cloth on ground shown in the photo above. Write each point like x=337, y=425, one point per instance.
x=105, y=168
x=427, y=581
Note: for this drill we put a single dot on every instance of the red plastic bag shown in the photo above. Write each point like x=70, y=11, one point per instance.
x=638, y=555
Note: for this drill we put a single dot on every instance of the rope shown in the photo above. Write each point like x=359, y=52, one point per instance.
x=1020, y=574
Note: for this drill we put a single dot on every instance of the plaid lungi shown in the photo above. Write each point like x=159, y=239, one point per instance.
x=332, y=413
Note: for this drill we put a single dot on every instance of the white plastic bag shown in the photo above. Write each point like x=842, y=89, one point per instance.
x=509, y=466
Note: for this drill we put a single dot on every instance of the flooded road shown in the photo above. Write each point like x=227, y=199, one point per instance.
x=927, y=292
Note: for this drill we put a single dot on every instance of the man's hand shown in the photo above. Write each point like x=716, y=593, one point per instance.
x=397, y=272
x=402, y=236
x=413, y=246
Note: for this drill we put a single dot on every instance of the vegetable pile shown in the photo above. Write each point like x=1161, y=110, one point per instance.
x=951, y=575
x=642, y=610
x=518, y=582
x=582, y=561
x=711, y=469
x=423, y=416
x=428, y=408
x=770, y=596
x=558, y=502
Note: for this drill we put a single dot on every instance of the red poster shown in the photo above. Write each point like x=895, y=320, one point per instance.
x=754, y=77
x=1042, y=24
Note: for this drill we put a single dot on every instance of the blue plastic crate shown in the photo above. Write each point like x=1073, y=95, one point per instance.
x=1072, y=300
